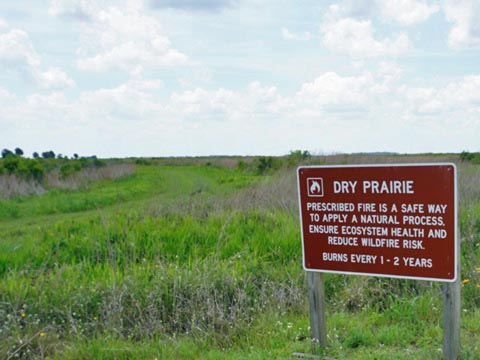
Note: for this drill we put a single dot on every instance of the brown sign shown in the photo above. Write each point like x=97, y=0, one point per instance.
x=384, y=220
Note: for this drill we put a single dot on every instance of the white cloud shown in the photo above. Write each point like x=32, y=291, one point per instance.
x=196, y=5
x=465, y=18
x=195, y=75
x=132, y=100
x=3, y=23
x=132, y=56
x=456, y=97
x=329, y=93
x=78, y=9
x=125, y=38
x=16, y=48
x=18, y=54
x=355, y=38
x=5, y=96
x=333, y=92
x=255, y=102
x=423, y=101
x=349, y=26
x=389, y=71
x=290, y=35
x=465, y=92
x=54, y=79
x=364, y=101
x=406, y=12
x=41, y=107
x=318, y=113
x=358, y=9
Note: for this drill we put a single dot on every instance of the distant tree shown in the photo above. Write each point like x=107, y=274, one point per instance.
x=75, y=156
x=6, y=152
x=48, y=154
x=18, y=151
x=35, y=155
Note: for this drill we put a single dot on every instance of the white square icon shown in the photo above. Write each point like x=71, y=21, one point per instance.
x=315, y=187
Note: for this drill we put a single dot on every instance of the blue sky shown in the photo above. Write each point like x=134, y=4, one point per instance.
x=239, y=77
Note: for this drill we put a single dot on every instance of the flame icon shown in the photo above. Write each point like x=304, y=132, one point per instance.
x=315, y=187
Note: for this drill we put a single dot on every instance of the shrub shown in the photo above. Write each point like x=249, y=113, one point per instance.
x=99, y=163
x=143, y=161
x=37, y=171
x=91, y=161
x=297, y=156
x=470, y=157
x=264, y=163
x=10, y=163
x=24, y=168
x=70, y=168
x=242, y=165
x=30, y=169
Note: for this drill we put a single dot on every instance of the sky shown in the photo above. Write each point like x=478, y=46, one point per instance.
x=239, y=77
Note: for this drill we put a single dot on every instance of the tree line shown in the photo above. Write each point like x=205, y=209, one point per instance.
x=35, y=168
x=45, y=155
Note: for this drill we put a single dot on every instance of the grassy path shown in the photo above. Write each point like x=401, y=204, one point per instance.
x=162, y=183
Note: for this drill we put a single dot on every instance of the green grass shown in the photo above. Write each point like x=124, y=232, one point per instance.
x=165, y=184
x=200, y=262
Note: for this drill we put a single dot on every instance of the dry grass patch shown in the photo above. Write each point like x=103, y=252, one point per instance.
x=13, y=185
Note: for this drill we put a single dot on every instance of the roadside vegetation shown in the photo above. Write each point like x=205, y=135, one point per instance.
x=201, y=258
x=21, y=176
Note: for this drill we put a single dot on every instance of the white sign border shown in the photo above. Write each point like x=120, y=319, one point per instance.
x=455, y=204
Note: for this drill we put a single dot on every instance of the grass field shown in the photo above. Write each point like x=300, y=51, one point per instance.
x=202, y=259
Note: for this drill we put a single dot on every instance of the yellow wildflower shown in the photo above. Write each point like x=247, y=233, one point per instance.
x=95, y=318
x=464, y=281
x=478, y=268
x=42, y=334
x=23, y=315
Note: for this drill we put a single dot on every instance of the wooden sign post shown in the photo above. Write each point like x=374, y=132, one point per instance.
x=395, y=221
x=316, y=301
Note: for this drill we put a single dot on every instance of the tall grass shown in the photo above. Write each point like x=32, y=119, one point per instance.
x=138, y=278
x=87, y=175
x=201, y=262
x=12, y=185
